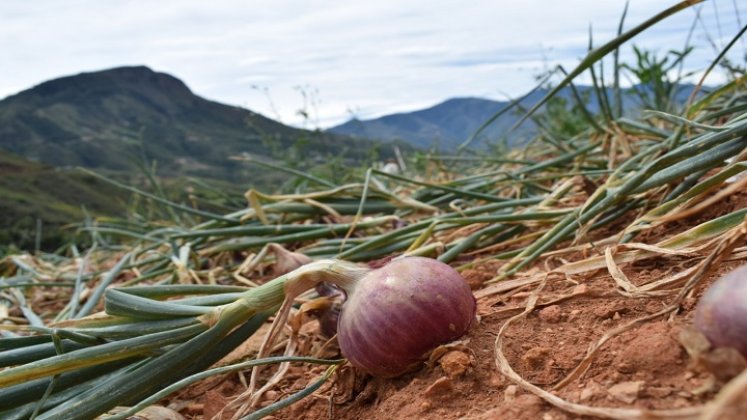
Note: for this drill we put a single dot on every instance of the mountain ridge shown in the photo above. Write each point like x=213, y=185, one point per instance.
x=448, y=123
x=96, y=119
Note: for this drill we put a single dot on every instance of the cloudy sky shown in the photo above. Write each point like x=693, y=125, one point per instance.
x=338, y=59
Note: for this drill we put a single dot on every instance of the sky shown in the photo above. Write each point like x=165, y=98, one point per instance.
x=317, y=63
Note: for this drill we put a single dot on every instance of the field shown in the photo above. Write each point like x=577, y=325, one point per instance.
x=586, y=250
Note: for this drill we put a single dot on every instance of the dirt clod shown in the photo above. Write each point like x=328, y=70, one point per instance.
x=455, y=363
x=552, y=314
x=652, y=350
x=606, y=311
x=439, y=388
x=591, y=391
x=510, y=393
x=626, y=392
x=536, y=358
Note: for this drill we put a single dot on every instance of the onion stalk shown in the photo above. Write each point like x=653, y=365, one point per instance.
x=212, y=326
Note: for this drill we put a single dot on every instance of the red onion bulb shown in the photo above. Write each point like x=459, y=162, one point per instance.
x=397, y=313
x=721, y=314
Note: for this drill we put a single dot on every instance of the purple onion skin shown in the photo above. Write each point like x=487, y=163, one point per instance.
x=401, y=311
x=721, y=314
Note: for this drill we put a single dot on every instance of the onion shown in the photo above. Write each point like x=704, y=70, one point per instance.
x=721, y=314
x=395, y=314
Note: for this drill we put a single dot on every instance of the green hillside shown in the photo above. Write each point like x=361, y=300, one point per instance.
x=33, y=191
x=98, y=119
x=114, y=122
x=61, y=198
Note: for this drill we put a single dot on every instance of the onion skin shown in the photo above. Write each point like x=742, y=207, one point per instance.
x=721, y=314
x=397, y=313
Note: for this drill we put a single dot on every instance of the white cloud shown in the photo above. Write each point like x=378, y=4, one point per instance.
x=369, y=57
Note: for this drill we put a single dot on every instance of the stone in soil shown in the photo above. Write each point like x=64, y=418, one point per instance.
x=442, y=386
x=626, y=392
x=651, y=351
x=455, y=363
x=551, y=314
x=536, y=358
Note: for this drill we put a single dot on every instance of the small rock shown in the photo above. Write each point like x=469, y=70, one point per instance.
x=591, y=390
x=425, y=406
x=626, y=392
x=510, y=393
x=552, y=314
x=694, y=342
x=535, y=358
x=455, y=363
x=607, y=311
x=441, y=386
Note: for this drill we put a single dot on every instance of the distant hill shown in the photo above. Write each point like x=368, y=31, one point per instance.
x=107, y=120
x=96, y=120
x=449, y=123
x=444, y=125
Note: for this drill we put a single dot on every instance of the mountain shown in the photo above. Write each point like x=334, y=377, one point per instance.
x=115, y=120
x=98, y=120
x=449, y=123
x=444, y=125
